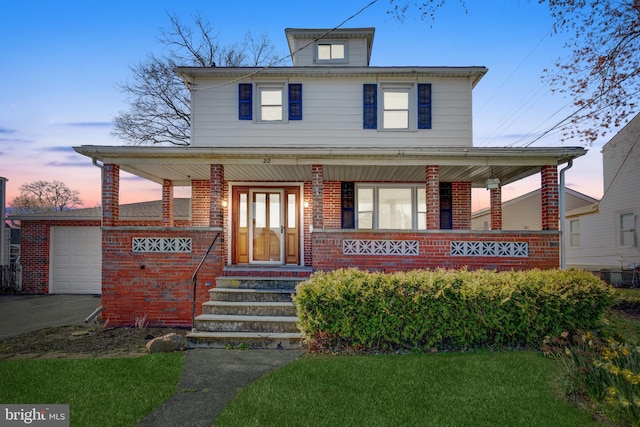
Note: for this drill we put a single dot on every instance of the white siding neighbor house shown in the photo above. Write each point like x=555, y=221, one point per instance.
x=523, y=213
x=604, y=235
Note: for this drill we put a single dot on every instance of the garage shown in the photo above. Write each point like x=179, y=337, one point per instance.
x=76, y=260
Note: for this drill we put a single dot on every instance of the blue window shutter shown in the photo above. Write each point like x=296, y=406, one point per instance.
x=245, y=101
x=295, y=101
x=370, y=106
x=424, y=106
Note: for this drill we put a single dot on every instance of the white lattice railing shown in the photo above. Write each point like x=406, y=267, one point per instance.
x=459, y=248
x=380, y=247
x=161, y=244
x=498, y=249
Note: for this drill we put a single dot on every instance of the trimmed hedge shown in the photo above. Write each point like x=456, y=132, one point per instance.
x=446, y=309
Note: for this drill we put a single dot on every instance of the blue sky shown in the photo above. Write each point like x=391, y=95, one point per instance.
x=62, y=62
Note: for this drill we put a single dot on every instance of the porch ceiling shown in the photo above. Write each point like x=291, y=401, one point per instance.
x=293, y=164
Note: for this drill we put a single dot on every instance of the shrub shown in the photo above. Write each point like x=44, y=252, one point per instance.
x=446, y=309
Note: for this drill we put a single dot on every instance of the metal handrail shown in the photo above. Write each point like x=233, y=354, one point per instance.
x=194, y=279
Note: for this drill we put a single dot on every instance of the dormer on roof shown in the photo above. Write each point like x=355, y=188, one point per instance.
x=326, y=47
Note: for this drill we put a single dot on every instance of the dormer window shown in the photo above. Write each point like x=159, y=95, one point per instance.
x=331, y=51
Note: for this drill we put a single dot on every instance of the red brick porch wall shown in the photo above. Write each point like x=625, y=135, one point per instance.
x=155, y=284
x=434, y=251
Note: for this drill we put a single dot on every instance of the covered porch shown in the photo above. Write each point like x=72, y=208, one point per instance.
x=383, y=209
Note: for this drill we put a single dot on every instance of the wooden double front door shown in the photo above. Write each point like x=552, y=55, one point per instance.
x=265, y=225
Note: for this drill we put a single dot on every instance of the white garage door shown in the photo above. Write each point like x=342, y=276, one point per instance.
x=75, y=265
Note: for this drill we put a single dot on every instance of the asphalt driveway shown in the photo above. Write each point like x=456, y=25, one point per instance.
x=20, y=314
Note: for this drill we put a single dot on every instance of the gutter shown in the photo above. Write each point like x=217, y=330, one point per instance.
x=561, y=197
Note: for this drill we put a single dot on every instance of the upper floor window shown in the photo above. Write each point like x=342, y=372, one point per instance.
x=401, y=106
x=271, y=103
x=574, y=233
x=275, y=102
x=627, y=228
x=331, y=51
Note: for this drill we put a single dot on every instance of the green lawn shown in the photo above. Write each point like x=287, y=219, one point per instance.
x=100, y=392
x=455, y=389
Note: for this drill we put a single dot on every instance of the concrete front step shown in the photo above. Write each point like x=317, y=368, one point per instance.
x=228, y=323
x=257, y=282
x=250, y=295
x=286, y=341
x=249, y=308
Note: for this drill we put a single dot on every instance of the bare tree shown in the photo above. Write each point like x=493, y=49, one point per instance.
x=602, y=74
x=159, y=110
x=42, y=196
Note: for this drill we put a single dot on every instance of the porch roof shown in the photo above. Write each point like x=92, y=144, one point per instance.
x=292, y=164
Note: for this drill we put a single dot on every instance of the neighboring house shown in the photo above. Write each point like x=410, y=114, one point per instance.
x=604, y=235
x=325, y=164
x=62, y=250
x=523, y=212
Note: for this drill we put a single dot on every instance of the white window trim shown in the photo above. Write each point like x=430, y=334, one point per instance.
x=257, y=113
x=415, y=188
x=344, y=43
x=411, y=88
x=619, y=229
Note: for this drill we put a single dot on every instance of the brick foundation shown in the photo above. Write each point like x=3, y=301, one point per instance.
x=157, y=285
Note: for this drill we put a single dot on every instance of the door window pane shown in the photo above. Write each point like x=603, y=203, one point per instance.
x=274, y=211
x=291, y=210
x=260, y=207
x=242, y=214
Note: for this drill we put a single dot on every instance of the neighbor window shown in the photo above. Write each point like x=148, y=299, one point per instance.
x=627, y=228
x=334, y=51
x=391, y=207
x=574, y=233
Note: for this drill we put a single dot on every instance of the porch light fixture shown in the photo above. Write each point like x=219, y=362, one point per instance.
x=492, y=183
x=306, y=204
x=224, y=203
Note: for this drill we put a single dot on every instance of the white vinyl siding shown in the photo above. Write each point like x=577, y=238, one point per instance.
x=332, y=116
x=600, y=240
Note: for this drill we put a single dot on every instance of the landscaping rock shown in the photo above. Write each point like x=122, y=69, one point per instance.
x=165, y=344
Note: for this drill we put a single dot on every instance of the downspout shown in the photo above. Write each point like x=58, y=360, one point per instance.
x=561, y=198
x=95, y=163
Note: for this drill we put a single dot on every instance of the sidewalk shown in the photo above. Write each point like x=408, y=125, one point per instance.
x=210, y=379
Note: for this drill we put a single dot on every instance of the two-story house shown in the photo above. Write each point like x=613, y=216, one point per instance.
x=604, y=235
x=324, y=164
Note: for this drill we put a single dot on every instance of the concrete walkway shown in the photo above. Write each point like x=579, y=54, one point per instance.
x=20, y=314
x=210, y=379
